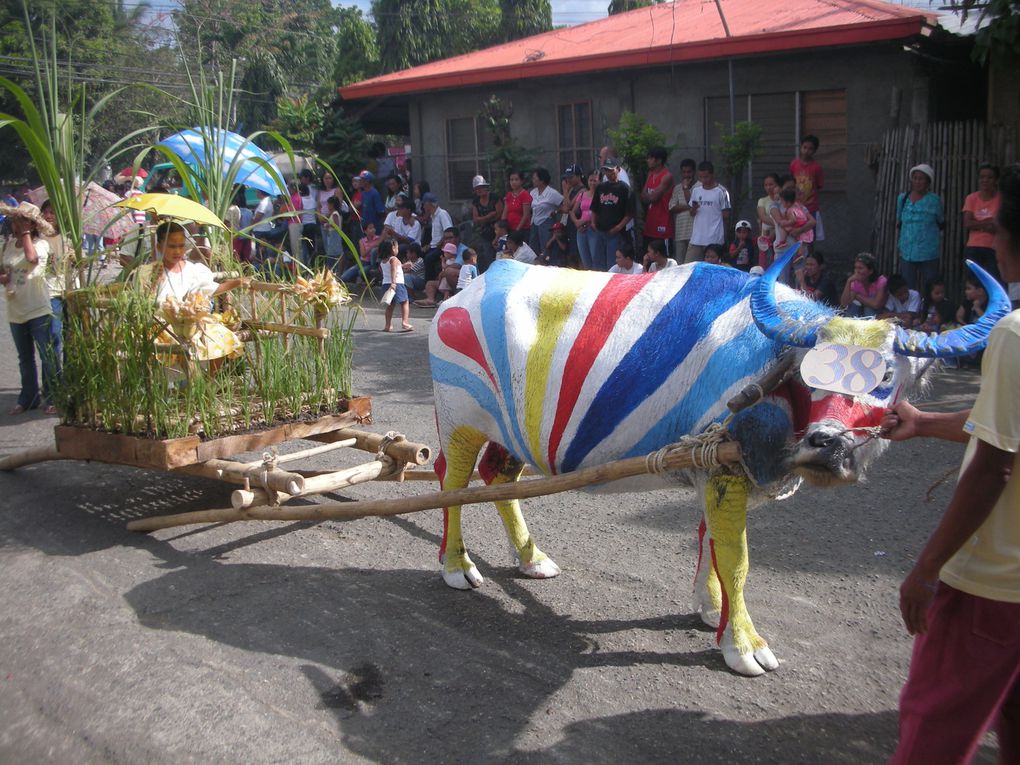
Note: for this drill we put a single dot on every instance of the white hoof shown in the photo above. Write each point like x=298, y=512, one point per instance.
x=766, y=659
x=468, y=579
x=540, y=569
x=741, y=663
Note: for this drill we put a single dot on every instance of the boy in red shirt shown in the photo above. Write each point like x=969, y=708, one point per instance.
x=810, y=180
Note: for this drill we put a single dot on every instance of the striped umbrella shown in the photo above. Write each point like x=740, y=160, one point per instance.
x=99, y=215
x=190, y=146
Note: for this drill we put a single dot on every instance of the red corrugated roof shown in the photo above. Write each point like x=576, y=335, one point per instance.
x=688, y=30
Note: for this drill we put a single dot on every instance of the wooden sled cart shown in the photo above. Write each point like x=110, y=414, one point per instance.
x=283, y=329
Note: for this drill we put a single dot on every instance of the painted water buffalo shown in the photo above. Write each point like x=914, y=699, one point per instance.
x=562, y=370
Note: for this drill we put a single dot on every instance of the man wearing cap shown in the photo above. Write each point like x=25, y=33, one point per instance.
x=401, y=223
x=441, y=221
x=920, y=218
x=655, y=197
x=372, y=206
x=572, y=183
x=612, y=208
x=742, y=249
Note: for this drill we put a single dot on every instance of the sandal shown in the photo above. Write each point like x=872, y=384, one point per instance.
x=16, y=409
x=50, y=410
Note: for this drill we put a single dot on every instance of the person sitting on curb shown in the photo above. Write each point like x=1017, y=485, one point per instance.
x=518, y=249
x=441, y=284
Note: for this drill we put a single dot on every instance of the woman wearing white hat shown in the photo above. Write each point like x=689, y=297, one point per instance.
x=920, y=219
x=485, y=211
x=23, y=275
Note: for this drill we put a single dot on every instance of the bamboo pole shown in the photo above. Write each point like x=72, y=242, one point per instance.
x=398, y=448
x=287, y=329
x=30, y=457
x=728, y=453
x=294, y=456
x=239, y=472
x=319, y=484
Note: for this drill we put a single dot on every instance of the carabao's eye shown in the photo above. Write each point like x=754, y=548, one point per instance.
x=887, y=378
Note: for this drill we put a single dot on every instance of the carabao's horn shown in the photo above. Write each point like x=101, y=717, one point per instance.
x=962, y=341
x=770, y=316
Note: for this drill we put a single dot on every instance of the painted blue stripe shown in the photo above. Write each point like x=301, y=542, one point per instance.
x=500, y=278
x=743, y=357
x=454, y=375
x=670, y=336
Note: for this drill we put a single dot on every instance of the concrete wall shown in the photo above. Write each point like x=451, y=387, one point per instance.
x=885, y=88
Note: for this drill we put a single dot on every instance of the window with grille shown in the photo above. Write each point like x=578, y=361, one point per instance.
x=467, y=148
x=574, y=136
x=784, y=118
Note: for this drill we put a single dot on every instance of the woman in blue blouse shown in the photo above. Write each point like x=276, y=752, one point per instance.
x=920, y=219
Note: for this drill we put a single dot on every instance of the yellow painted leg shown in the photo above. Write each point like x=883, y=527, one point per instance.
x=459, y=453
x=744, y=650
x=530, y=561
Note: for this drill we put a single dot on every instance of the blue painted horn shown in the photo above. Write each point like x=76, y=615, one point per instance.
x=777, y=323
x=964, y=340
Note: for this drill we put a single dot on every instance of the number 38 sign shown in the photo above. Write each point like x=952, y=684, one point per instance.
x=840, y=368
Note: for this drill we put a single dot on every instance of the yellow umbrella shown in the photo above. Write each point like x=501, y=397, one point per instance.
x=172, y=206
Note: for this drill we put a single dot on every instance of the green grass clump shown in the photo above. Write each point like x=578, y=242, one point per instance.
x=117, y=379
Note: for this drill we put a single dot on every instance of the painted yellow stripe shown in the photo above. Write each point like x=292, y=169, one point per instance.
x=554, y=307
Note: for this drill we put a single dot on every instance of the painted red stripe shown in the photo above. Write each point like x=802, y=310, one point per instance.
x=848, y=411
x=457, y=332
x=598, y=326
x=724, y=616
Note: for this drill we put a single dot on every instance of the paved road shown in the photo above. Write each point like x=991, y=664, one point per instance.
x=337, y=642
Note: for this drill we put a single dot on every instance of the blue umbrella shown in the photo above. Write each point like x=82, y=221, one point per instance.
x=190, y=146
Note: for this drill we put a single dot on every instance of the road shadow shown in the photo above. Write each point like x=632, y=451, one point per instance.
x=414, y=672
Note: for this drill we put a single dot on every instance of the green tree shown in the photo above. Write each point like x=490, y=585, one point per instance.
x=622, y=6
x=342, y=142
x=633, y=138
x=409, y=32
x=414, y=32
x=261, y=85
x=99, y=38
x=524, y=18
x=738, y=149
x=284, y=46
x=506, y=153
x=299, y=120
x=998, y=27
x=358, y=58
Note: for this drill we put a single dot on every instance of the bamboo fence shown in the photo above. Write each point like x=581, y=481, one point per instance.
x=954, y=150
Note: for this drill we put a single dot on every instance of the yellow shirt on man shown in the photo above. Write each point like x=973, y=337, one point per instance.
x=988, y=565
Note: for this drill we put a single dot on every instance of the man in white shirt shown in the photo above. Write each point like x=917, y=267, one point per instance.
x=519, y=249
x=401, y=224
x=710, y=208
x=545, y=205
x=267, y=232
x=441, y=221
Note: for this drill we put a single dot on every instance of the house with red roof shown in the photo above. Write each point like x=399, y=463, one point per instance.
x=844, y=70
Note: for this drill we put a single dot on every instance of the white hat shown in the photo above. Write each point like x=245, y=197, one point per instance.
x=923, y=168
x=478, y=180
x=743, y=224
x=757, y=271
